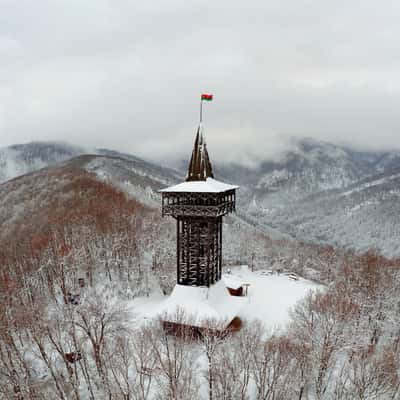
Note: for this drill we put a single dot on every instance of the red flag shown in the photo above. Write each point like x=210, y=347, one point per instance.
x=206, y=97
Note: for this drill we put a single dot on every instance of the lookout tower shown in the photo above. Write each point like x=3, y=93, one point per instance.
x=198, y=205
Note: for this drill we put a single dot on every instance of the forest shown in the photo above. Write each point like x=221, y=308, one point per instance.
x=65, y=332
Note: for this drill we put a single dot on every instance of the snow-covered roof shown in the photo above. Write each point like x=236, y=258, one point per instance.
x=208, y=186
x=232, y=282
x=200, y=304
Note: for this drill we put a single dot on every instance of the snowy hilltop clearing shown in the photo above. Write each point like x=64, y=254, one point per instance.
x=270, y=297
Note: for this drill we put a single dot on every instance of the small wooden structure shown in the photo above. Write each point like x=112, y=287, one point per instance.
x=73, y=356
x=234, y=285
x=73, y=298
x=190, y=309
x=196, y=332
x=234, y=288
x=236, y=291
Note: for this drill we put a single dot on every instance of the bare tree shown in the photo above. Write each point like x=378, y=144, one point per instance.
x=372, y=374
x=212, y=335
x=175, y=358
x=320, y=322
x=145, y=363
x=274, y=369
x=100, y=320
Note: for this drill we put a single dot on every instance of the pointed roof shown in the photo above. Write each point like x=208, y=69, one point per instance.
x=199, y=166
x=200, y=178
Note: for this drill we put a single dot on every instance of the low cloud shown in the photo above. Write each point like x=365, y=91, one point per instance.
x=128, y=75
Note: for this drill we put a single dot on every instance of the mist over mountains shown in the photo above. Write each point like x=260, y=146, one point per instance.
x=327, y=194
x=21, y=159
x=316, y=192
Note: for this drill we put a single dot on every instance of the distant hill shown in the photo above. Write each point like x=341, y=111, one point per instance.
x=84, y=214
x=318, y=193
x=325, y=193
x=104, y=211
x=20, y=159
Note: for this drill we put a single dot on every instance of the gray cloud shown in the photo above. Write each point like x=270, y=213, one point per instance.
x=127, y=75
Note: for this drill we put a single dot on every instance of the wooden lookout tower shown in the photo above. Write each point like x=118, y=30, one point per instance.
x=198, y=205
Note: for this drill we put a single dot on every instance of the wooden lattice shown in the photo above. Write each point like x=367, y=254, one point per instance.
x=199, y=250
x=199, y=233
x=198, y=204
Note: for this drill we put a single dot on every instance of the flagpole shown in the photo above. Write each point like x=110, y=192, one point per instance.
x=201, y=111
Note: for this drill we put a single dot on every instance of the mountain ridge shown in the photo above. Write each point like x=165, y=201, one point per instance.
x=318, y=193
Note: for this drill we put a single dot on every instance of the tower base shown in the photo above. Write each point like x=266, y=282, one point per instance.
x=211, y=308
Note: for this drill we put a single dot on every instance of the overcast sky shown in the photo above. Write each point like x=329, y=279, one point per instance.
x=127, y=74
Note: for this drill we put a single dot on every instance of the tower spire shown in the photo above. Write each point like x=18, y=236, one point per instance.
x=199, y=166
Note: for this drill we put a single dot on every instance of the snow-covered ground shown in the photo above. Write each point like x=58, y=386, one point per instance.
x=270, y=297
